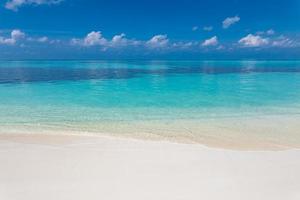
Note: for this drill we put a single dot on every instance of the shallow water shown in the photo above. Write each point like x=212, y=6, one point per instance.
x=92, y=92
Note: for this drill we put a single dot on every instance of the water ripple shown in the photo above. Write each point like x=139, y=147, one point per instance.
x=47, y=74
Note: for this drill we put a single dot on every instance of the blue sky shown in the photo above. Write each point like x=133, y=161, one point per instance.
x=141, y=29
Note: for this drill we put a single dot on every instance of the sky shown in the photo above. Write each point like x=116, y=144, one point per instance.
x=149, y=29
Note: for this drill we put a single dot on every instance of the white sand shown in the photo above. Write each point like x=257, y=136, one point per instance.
x=104, y=168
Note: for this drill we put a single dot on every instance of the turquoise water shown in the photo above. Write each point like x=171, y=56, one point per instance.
x=37, y=92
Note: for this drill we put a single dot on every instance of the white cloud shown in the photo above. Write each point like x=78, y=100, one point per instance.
x=207, y=28
x=15, y=4
x=119, y=39
x=211, y=41
x=220, y=47
x=158, y=41
x=76, y=41
x=55, y=41
x=8, y=41
x=230, y=21
x=122, y=41
x=270, y=32
x=15, y=35
x=283, y=41
x=185, y=45
x=195, y=28
x=94, y=38
x=260, y=32
x=42, y=39
x=253, y=41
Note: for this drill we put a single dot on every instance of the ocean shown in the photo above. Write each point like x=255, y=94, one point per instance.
x=150, y=97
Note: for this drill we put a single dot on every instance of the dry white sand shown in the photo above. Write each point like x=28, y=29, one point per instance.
x=96, y=168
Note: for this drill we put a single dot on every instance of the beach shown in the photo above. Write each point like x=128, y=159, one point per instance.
x=254, y=133
x=190, y=130
x=149, y=100
x=57, y=167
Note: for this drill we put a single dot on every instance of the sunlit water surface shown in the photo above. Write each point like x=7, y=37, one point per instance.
x=61, y=93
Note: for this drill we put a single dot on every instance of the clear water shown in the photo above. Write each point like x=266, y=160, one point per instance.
x=37, y=92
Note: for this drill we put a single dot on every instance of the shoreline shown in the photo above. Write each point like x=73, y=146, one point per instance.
x=63, y=138
x=246, y=134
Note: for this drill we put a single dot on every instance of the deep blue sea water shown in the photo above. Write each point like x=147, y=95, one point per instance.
x=36, y=92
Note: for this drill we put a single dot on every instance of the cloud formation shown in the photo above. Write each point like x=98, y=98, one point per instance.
x=230, y=21
x=94, y=41
x=121, y=41
x=195, y=28
x=253, y=41
x=95, y=38
x=210, y=42
x=43, y=39
x=158, y=41
x=283, y=41
x=16, y=4
x=207, y=28
x=268, y=32
x=15, y=35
